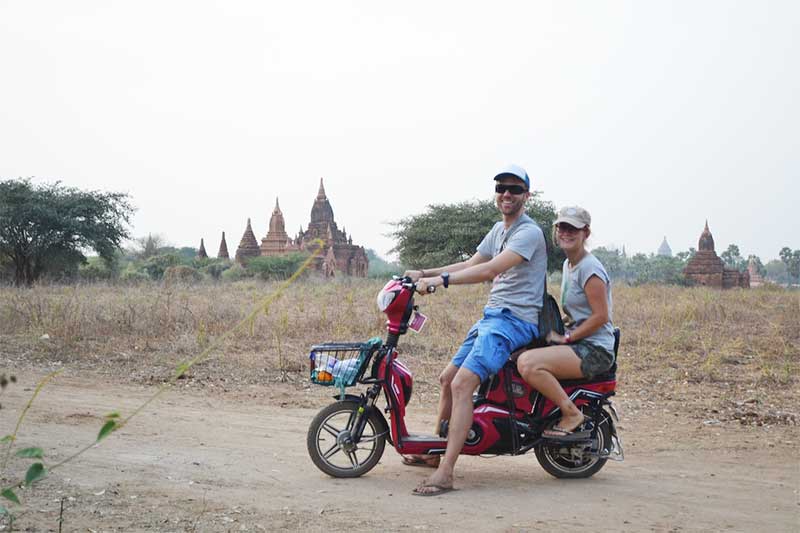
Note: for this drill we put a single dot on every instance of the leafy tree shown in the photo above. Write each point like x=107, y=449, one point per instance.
x=380, y=268
x=759, y=265
x=686, y=256
x=449, y=233
x=792, y=261
x=155, y=265
x=146, y=247
x=48, y=227
x=641, y=269
x=733, y=258
x=614, y=262
x=776, y=271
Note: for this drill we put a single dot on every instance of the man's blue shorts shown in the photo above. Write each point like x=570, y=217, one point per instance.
x=491, y=340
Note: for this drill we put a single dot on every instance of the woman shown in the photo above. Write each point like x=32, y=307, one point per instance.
x=587, y=349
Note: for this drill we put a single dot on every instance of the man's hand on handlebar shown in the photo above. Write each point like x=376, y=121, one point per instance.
x=415, y=275
x=426, y=286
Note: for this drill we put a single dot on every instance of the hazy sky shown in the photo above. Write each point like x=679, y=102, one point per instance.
x=655, y=116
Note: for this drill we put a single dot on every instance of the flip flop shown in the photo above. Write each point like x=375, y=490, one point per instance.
x=415, y=460
x=567, y=436
x=439, y=489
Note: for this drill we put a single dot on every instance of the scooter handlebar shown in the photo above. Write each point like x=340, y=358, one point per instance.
x=408, y=284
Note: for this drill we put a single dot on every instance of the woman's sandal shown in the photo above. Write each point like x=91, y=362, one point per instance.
x=559, y=434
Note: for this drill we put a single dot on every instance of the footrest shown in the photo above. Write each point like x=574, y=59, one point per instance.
x=425, y=438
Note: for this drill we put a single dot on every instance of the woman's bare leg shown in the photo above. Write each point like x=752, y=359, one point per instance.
x=542, y=368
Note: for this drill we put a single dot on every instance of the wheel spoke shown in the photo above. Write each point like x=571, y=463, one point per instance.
x=330, y=429
x=367, y=438
x=353, y=458
x=332, y=451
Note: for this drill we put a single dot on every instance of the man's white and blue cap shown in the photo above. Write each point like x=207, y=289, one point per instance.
x=515, y=171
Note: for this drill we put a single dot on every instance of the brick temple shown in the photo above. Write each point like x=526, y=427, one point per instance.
x=706, y=268
x=756, y=280
x=338, y=256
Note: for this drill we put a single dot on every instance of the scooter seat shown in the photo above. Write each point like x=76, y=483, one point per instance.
x=607, y=376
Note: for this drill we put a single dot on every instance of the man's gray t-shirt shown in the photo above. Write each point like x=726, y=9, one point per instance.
x=518, y=289
x=575, y=303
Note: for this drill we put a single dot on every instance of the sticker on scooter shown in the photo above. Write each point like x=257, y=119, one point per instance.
x=417, y=321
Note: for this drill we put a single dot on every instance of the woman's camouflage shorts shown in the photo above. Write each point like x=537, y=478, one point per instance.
x=595, y=360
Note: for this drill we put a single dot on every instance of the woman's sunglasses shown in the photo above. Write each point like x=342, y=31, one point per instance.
x=566, y=228
x=500, y=188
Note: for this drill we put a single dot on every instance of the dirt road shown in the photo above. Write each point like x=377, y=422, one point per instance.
x=195, y=461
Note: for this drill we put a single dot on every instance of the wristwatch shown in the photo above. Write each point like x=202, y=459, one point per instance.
x=567, y=338
x=445, y=279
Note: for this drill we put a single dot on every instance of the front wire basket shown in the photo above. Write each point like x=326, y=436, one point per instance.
x=340, y=364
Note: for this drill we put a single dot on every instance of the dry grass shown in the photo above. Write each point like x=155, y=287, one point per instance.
x=736, y=343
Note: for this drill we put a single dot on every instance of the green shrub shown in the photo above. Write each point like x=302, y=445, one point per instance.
x=214, y=268
x=155, y=266
x=235, y=273
x=276, y=267
x=181, y=274
x=132, y=275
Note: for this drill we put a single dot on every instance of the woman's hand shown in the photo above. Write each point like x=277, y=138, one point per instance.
x=555, y=338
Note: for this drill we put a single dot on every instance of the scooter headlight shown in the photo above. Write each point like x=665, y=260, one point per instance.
x=385, y=299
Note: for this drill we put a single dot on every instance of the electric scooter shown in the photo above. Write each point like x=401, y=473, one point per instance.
x=348, y=437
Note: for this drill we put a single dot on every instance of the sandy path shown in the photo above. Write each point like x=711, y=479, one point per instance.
x=198, y=462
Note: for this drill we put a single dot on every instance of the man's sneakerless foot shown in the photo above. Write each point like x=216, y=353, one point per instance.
x=429, y=461
x=431, y=490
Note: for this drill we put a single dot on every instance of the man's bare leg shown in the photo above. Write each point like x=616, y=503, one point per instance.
x=461, y=388
x=445, y=396
x=445, y=406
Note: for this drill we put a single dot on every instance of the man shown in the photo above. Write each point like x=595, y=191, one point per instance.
x=513, y=254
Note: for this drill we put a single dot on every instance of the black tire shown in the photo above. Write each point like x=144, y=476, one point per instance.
x=328, y=444
x=575, y=461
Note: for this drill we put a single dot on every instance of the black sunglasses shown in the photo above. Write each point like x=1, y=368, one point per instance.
x=501, y=188
x=567, y=228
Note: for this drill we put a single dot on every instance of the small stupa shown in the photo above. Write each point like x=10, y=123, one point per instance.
x=248, y=246
x=223, y=248
x=201, y=252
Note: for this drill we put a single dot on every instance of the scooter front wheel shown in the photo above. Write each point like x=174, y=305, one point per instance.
x=332, y=447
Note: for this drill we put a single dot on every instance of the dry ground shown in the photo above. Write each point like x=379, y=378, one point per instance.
x=708, y=396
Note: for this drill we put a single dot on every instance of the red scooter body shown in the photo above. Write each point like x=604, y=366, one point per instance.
x=492, y=411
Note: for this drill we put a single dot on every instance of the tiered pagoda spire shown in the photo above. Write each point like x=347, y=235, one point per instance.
x=277, y=240
x=201, y=253
x=223, y=248
x=248, y=246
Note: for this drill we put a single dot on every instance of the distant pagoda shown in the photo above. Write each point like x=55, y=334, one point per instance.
x=664, y=249
x=338, y=255
x=277, y=240
x=752, y=269
x=248, y=246
x=201, y=253
x=706, y=268
x=223, y=248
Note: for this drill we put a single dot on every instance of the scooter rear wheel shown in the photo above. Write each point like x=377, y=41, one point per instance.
x=576, y=460
x=330, y=445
